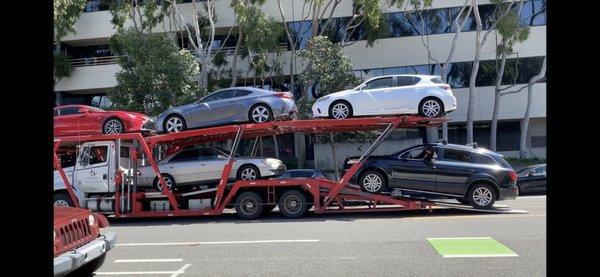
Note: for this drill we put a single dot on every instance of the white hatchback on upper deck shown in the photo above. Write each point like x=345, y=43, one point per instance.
x=425, y=95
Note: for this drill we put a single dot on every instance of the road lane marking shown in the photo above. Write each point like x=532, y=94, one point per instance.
x=470, y=247
x=182, y=269
x=137, y=272
x=148, y=260
x=480, y=256
x=459, y=238
x=215, y=242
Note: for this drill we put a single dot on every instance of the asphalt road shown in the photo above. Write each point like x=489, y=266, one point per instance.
x=381, y=244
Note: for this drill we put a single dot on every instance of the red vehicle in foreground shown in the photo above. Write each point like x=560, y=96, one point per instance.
x=73, y=120
x=79, y=248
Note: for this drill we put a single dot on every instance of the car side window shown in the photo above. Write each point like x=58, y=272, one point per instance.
x=454, y=155
x=69, y=111
x=209, y=154
x=541, y=169
x=379, y=83
x=403, y=81
x=413, y=153
x=186, y=156
x=242, y=93
x=483, y=159
x=220, y=96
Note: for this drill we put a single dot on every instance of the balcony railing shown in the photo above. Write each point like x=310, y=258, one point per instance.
x=93, y=61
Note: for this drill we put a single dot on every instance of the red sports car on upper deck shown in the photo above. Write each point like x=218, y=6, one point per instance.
x=71, y=120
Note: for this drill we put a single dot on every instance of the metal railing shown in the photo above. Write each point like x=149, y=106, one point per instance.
x=93, y=61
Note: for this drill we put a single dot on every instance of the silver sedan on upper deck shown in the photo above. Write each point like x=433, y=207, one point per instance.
x=226, y=106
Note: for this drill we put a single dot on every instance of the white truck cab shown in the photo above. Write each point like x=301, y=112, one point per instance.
x=93, y=174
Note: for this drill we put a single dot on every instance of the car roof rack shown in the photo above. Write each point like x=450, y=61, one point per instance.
x=474, y=144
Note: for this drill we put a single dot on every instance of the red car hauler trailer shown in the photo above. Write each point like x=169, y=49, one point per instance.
x=251, y=199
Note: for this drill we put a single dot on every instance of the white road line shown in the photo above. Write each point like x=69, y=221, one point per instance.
x=182, y=269
x=460, y=238
x=148, y=260
x=138, y=272
x=480, y=255
x=215, y=242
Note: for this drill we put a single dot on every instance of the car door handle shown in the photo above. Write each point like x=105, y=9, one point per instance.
x=202, y=164
x=104, y=176
x=231, y=101
x=171, y=167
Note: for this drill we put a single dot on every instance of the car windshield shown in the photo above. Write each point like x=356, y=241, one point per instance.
x=94, y=109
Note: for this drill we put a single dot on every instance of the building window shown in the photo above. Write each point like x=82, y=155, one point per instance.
x=508, y=134
x=414, y=23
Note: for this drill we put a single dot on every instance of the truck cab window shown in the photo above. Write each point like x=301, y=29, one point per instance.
x=98, y=154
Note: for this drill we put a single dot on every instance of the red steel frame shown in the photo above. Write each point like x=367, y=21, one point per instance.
x=323, y=192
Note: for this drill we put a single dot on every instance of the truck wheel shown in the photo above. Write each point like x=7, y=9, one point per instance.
x=249, y=205
x=292, y=204
x=89, y=268
x=481, y=196
x=62, y=200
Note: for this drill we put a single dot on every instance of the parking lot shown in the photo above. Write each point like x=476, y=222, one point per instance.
x=386, y=243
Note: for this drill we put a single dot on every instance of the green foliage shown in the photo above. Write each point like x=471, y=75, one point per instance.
x=511, y=32
x=304, y=107
x=62, y=67
x=354, y=137
x=151, y=14
x=330, y=68
x=371, y=13
x=413, y=4
x=156, y=73
x=66, y=13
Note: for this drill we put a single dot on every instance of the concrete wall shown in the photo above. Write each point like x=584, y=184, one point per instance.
x=324, y=159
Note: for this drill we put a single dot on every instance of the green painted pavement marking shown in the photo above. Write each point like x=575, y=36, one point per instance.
x=470, y=247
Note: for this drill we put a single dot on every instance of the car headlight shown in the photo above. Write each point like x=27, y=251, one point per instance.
x=91, y=219
x=352, y=161
x=323, y=98
x=271, y=161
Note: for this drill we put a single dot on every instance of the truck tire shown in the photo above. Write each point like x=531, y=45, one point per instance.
x=62, y=199
x=292, y=204
x=89, y=268
x=249, y=205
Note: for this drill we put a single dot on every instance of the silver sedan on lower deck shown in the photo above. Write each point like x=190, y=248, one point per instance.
x=226, y=106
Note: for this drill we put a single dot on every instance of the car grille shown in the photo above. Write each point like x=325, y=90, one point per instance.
x=75, y=233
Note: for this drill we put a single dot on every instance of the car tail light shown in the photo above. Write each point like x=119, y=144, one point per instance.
x=513, y=175
x=445, y=87
x=283, y=95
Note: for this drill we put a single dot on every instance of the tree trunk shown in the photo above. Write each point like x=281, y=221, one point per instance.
x=235, y=57
x=292, y=45
x=334, y=156
x=474, y=72
x=523, y=152
x=497, y=97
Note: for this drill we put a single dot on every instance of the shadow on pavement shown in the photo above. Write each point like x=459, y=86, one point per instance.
x=275, y=217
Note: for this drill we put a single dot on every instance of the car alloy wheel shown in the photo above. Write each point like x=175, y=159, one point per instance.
x=249, y=174
x=168, y=182
x=174, y=124
x=431, y=108
x=372, y=183
x=340, y=111
x=482, y=196
x=260, y=114
x=61, y=203
x=113, y=126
